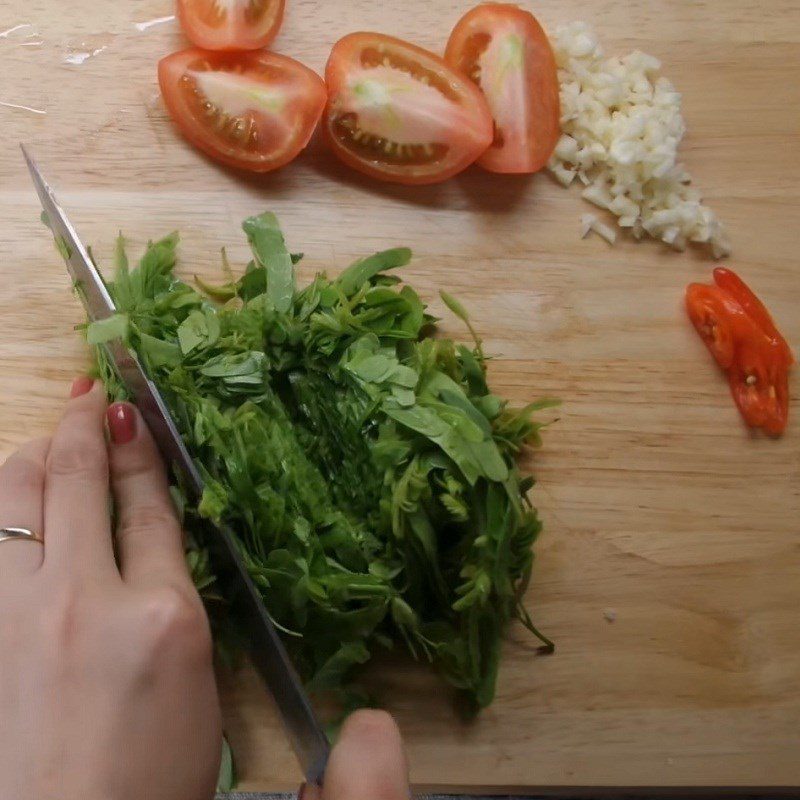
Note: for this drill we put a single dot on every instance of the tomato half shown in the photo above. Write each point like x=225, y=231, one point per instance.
x=231, y=24
x=504, y=50
x=399, y=113
x=255, y=110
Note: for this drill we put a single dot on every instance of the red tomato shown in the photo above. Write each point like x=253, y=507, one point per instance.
x=255, y=110
x=504, y=50
x=231, y=24
x=740, y=333
x=399, y=113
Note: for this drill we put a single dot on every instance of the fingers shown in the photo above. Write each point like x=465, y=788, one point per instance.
x=149, y=536
x=368, y=762
x=76, y=511
x=21, y=500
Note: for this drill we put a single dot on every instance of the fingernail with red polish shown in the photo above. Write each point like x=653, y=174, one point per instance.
x=121, y=422
x=301, y=791
x=81, y=386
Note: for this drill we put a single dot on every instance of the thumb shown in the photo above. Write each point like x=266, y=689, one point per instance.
x=368, y=762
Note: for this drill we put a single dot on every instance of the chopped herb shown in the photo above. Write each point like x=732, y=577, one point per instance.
x=367, y=469
x=104, y=330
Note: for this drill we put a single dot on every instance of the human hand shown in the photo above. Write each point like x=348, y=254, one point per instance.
x=367, y=763
x=106, y=684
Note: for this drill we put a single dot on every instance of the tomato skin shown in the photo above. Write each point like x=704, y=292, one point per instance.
x=461, y=131
x=229, y=34
x=506, y=52
x=282, y=135
x=740, y=334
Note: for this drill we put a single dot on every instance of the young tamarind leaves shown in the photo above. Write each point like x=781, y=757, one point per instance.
x=370, y=474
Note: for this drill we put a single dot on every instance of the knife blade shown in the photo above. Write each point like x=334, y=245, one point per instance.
x=266, y=648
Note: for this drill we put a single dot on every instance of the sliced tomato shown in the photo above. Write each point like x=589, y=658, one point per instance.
x=231, y=24
x=254, y=110
x=504, y=50
x=399, y=113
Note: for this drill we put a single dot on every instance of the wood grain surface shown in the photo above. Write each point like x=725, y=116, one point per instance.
x=662, y=512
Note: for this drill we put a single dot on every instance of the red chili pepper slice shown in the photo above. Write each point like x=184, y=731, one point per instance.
x=733, y=285
x=741, y=335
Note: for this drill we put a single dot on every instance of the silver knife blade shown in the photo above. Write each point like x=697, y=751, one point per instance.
x=267, y=650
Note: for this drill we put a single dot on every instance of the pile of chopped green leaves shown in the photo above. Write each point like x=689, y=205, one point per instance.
x=366, y=467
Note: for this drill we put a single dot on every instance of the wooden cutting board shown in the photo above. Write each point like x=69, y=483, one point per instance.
x=669, y=572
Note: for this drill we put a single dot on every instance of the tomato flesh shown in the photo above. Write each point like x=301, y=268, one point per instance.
x=398, y=113
x=254, y=111
x=231, y=24
x=505, y=51
x=739, y=332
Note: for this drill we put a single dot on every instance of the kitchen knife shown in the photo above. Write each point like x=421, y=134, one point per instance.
x=267, y=651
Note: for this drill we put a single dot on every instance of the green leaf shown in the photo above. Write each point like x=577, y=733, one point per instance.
x=265, y=237
x=199, y=329
x=461, y=312
x=155, y=267
x=329, y=674
x=226, y=781
x=214, y=501
x=454, y=305
x=120, y=256
x=221, y=293
x=474, y=372
x=157, y=352
x=252, y=284
x=358, y=273
x=458, y=437
x=61, y=245
x=373, y=369
x=105, y=330
x=237, y=368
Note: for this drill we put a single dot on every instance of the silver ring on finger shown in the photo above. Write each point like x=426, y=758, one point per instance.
x=11, y=534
